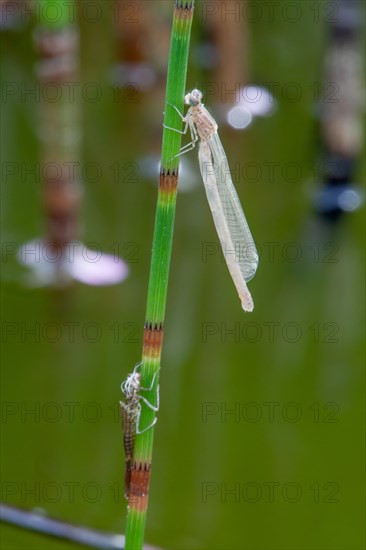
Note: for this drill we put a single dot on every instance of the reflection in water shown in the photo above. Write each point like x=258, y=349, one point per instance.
x=74, y=262
x=60, y=135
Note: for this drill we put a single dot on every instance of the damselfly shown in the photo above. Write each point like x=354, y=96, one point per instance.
x=232, y=228
x=131, y=413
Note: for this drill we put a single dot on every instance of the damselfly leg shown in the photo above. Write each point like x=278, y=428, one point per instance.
x=194, y=135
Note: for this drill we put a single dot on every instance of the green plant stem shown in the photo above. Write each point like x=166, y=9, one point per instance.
x=159, y=270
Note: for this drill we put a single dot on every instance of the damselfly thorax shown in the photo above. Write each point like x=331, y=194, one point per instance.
x=205, y=125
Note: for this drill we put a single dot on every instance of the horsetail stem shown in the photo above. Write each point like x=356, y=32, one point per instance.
x=159, y=270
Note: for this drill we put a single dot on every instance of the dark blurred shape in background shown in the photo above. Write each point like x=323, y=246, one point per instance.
x=60, y=258
x=342, y=113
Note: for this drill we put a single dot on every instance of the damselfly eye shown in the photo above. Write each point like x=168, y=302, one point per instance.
x=196, y=96
x=193, y=98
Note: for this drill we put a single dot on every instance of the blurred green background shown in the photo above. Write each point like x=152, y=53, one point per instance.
x=286, y=469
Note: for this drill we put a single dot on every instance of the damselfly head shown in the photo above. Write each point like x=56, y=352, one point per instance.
x=193, y=98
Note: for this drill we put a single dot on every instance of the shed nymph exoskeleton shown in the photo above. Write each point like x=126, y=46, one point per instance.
x=131, y=413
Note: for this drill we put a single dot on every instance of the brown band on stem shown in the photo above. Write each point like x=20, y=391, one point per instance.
x=139, y=486
x=168, y=181
x=61, y=200
x=153, y=339
x=58, y=51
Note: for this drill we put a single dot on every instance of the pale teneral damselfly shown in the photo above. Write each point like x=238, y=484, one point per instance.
x=232, y=228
